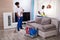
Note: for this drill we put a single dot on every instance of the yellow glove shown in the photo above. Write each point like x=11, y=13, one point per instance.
x=43, y=14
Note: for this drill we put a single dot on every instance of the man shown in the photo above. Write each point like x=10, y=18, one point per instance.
x=42, y=13
x=19, y=13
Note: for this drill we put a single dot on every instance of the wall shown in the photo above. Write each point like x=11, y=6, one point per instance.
x=5, y=6
x=54, y=11
x=49, y=12
x=35, y=8
x=32, y=9
x=58, y=9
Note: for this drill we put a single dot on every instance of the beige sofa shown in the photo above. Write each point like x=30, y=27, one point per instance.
x=46, y=26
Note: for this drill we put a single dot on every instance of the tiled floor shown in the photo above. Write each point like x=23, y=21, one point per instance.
x=10, y=35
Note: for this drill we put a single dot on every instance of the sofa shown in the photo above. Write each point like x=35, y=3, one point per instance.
x=46, y=26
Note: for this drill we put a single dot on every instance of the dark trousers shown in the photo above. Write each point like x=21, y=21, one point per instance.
x=19, y=25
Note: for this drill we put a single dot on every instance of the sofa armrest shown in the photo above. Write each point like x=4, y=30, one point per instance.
x=55, y=22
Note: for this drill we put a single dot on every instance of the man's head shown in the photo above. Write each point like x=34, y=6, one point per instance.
x=17, y=4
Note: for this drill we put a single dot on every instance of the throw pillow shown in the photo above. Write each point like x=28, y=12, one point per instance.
x=45, y=21
x=38, y=20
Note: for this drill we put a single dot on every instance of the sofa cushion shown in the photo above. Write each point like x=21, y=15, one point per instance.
x=33, y=25
x=46, y=28
x=43, y=28
x=36, y=25
x=45, y=21
x=38, y=20
x=49, y=26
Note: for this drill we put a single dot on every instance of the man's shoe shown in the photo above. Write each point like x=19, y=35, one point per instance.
x=22, y=28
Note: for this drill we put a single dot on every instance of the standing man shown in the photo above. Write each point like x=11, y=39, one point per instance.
x=19, y=13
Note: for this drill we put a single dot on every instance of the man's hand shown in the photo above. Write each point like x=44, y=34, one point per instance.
x=22, y=11
x=18, y=17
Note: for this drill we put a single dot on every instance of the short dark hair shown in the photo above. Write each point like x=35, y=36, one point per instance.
x=17, y=3
x=43, y=6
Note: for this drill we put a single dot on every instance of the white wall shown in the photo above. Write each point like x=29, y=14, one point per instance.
x=54, y=12
x=25, y=4
x=35, y=8
x=58, y=9
x=49, y=12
